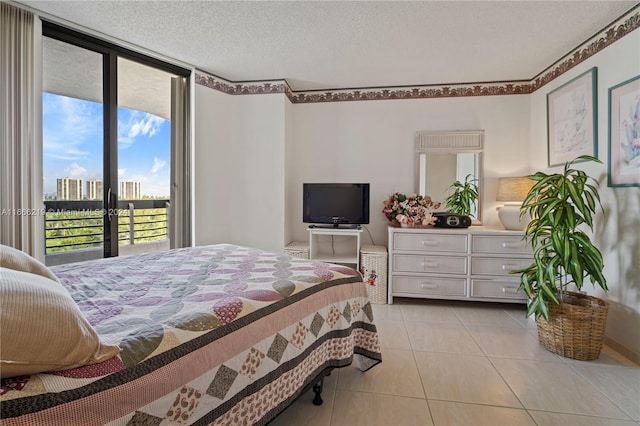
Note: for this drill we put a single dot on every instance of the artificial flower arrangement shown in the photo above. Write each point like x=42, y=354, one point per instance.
x=410, y=210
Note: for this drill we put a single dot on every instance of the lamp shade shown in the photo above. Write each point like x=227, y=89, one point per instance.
x=513, y=188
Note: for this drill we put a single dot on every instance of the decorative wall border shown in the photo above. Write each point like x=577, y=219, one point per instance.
x=622, y=26
x=241, y=88
x=628, y=23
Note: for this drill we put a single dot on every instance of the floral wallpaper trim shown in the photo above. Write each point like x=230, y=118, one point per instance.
x=614, y=32
x=242, y=88
x=629, y=23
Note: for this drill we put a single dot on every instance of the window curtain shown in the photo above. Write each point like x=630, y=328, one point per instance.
x=180, y=210
x=21, y=205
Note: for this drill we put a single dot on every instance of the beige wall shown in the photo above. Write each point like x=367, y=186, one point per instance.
x=617, y=231
x=239, y=169
x=373, y=141
x=253, y=152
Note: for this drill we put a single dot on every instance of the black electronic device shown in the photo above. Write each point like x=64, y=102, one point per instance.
x=335, y=204
x=451, y=220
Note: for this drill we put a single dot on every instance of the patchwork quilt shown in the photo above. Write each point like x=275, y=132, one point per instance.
x=219, y=334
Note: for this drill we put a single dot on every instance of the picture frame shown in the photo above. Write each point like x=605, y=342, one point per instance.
x=572, y=119
x=624, y=133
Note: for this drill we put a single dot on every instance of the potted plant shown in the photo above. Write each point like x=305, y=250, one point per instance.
x=464, y=196
x=570, y=324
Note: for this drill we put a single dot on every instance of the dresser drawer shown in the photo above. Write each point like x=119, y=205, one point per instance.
x=499, y=244
x=430, y=285
x=497, y=265
x=440, y=264
x=497, y=289
x=430, y=242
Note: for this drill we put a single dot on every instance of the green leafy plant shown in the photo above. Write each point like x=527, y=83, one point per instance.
x=464, y=196
x=560, y=204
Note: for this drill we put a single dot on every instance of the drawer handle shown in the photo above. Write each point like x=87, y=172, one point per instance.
x=429, y=242
x=427, y=286
x=508, y=267
x=510, y=290
x=429, y=264
x=510, y=245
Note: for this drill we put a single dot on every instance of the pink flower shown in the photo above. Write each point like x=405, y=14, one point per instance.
x=410, y=209
x=402, y=218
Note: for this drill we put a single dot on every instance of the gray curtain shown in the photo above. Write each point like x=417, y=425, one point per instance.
x=180, y=209
x=21, y=218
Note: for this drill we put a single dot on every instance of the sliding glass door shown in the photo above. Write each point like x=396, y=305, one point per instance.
x=73, y=120
x=144, y=157
x=108, y=138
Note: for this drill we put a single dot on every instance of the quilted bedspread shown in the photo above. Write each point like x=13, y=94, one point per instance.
x=218, y=334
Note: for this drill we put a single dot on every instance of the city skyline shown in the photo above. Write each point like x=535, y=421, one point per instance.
x=144, y=145
x=69, y=188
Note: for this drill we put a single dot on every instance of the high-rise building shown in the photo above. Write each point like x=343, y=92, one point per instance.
x=69, y=189
x=129, y=190
x=94, y=189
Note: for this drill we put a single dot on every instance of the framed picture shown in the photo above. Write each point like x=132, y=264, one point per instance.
x=624, y=133
x=572, y=120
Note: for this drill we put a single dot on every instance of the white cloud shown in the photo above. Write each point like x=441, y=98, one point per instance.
x=147, y=126
x=76, y=171
x=138, y=124
x=70, y=124
x=121, y=172
x=157, y=164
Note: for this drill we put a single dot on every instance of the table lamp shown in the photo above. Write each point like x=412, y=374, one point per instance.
x=513, y=190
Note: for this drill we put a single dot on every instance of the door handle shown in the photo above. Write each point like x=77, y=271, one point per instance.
x=110, y=203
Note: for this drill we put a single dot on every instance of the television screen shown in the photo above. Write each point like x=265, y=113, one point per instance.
x=335, y=203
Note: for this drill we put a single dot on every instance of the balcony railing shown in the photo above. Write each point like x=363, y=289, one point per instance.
x=78, y=225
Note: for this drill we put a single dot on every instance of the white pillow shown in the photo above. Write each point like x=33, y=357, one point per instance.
x=20, y=261
x=42, y=327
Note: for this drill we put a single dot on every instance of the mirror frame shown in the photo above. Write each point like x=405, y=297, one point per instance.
x=452, y=142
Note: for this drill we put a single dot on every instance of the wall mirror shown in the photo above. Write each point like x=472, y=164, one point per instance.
x=444, y=157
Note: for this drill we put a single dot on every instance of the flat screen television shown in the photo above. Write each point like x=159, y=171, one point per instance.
x=335, y=204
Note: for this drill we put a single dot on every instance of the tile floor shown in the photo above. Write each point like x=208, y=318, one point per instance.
x=462, y=363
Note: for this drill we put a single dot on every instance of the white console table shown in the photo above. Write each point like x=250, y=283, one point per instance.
x=348, y=251
x=457, y=263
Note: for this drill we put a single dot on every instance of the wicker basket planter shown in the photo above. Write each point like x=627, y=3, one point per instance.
x=576, y=327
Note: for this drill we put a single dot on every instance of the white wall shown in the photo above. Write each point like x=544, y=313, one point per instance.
x=252, y=154
x=290, y=182
x=239, y=169
x=617, y=231
x=373, y=141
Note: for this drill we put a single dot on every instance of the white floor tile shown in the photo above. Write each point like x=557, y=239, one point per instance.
x=621, y=384
x=463, y=378
x=453, y=338
x=559, y=419
x=552, y=386
x=471, y=364
x=370, y=409
x=429, y=311
x=393, y=334
x=510, y=343
x=446, y=413
x=396, y=375
x=386, y=312
x=488, y=316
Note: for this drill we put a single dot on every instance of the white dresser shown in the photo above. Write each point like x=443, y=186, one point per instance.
x=457, y=263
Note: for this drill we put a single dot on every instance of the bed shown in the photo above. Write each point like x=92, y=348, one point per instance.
x=218, y=334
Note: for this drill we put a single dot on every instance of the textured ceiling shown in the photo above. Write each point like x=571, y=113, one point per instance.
x=321, y=45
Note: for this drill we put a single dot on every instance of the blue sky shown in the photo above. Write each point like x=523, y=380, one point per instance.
x=72, y=143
